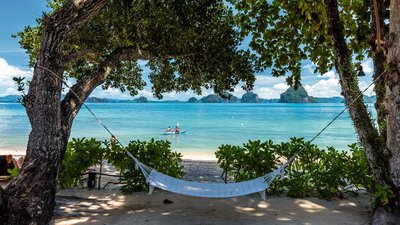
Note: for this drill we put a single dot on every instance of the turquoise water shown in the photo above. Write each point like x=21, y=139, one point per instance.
x=208, y=125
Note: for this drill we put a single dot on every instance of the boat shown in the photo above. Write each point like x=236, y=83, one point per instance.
x=173, y=132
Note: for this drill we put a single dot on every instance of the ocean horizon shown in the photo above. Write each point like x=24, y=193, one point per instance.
x=207, y=125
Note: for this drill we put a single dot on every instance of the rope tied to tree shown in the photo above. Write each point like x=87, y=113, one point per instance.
x=378, y=40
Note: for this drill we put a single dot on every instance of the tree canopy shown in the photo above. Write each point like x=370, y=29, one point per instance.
x=287, y=32
x=187, y=44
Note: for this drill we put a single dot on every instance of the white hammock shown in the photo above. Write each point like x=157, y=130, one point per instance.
x=156, y=179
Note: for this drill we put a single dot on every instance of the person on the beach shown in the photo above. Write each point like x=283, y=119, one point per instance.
x=113, y=139
x=6, y=162
x=169, y=129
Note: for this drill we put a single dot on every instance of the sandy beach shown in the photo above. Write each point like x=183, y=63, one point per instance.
x=110, y=206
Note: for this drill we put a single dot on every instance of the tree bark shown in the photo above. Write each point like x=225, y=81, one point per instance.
x=385, y=171
x=393, y=93
x=379, y=60
x=30, y=196
x=390, y=213
x=367, y=133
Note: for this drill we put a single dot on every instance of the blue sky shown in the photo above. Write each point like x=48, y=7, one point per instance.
x=16, y=14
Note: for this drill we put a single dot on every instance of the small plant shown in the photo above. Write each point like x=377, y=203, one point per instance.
x=382, y=195
x=14, y=171
x=359, y=172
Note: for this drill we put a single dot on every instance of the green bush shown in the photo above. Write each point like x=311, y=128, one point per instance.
x=84, y=153
x=156, y=154
x=252, y=160
x=358, y=169
x=314, y=172
x=81, y=154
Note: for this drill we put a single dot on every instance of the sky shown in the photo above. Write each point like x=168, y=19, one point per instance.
x=17, y=14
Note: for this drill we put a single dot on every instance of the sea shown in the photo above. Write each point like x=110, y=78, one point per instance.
x=207, y=125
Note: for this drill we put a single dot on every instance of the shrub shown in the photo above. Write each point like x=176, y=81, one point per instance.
x=155, y=154
x=314, y=172
x=252, y=160
x=80, y=154
x=84, y=153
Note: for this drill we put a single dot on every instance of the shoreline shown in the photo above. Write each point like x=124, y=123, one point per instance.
x=188, y=155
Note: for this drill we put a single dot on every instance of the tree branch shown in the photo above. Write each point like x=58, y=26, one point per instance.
x=367, y=133
x=58, y=27
x=71, y=103
x=75, y=56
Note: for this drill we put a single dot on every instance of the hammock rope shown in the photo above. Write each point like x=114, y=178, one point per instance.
x=210, y=190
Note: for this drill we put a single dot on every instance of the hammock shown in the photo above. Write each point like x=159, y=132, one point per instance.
x=159, y=180
x=211, y=190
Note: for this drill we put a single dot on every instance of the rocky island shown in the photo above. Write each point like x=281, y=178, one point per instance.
x=300, y=95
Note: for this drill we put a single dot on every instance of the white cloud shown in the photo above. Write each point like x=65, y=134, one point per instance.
x=10, y=91
x=109, y=93
x=145, y=93
x=262, y=80
x=281, y=86
x=367, y=66
x=238, y=91
x=329, y=74
x=324, y=88
x=268, y=93
x=7, y=72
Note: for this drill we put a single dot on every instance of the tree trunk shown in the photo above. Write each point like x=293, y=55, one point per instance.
x=390, y=213
x=31, y=194
x=30, y=197
x=367, y=133
x=379, y=60
x=393, y=93
x=385, y=171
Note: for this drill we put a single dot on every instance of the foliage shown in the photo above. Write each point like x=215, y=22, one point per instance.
x=248, y=162
x=14, y=171
x=83, y=153
x=382, y=195
x=314, y=172
x=155, y=154
x=358, y=169
x=80, y=154
x=287, y=32
x=187, y=45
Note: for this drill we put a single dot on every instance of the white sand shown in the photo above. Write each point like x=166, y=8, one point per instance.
x=111, y=207
x=192, y=155
x=199, y=156
x=13, y=151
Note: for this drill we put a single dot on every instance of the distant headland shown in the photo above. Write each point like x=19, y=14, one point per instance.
x=291, y=95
